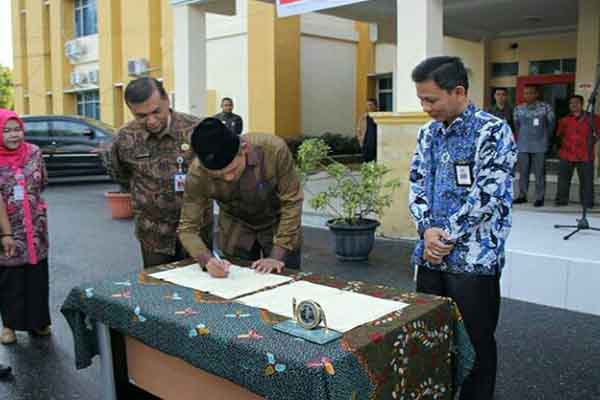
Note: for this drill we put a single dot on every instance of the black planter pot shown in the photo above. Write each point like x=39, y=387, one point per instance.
x=353, y=242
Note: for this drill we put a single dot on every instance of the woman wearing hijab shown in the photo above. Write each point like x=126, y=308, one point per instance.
x=24, y=273
x=9, y=247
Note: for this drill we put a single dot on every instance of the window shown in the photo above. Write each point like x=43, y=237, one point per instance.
x=385, y=93
x=70, y=129
x=553, y=67
x=36, y=129
x=500, y=69
x=88, y=104
x=86, y=19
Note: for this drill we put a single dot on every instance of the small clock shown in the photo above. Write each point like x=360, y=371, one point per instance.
x=309, y=314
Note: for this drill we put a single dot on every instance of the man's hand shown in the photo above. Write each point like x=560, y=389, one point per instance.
x=435, y=249
x=268, y=265
x=9, y=245
x=218, y=268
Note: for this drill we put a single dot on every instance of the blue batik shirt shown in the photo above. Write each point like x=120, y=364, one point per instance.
x=477, y=217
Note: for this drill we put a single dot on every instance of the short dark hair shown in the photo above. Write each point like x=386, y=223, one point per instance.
x=447, y=72
x=576, y=96
x=141, y=89
x=224, y=99
x=503, y=89
x=372, y=100
x=534, y=87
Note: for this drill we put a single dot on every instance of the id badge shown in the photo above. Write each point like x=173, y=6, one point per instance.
x=464, y=174
x=536, y=122
x=179, y=181
x=18, y=193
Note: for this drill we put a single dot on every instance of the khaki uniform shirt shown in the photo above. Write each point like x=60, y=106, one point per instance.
x=264, y=205
x=148, y=163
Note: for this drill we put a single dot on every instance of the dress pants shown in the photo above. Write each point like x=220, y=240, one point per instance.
x=585, y=171
x=535, y=161
x=478, y=299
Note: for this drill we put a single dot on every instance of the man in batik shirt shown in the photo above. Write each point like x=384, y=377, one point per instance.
x=460, y=199
x=151, y=155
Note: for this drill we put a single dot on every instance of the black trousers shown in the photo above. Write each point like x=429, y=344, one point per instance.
x=585, y=172
x=478, y=298
x=24, y=294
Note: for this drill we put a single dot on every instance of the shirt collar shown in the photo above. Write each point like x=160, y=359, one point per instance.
x=168, y=131
x=459, y=122
x=252, y=158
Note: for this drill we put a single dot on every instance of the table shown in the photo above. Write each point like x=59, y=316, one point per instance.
x=422, y=351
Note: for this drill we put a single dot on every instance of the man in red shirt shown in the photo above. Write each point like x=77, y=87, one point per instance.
x=574, y=132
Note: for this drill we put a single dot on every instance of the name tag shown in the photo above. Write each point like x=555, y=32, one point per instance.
x=18, y=193
x=536, y=122
x=464, y=174
x=179, y=181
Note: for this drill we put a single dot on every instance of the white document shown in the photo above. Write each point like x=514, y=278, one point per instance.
x=343, y=310
x=240, y=280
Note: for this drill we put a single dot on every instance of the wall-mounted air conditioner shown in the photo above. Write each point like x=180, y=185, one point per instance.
x=79, y=78
x=138, y=67
x=94, y=76
x=74, y=50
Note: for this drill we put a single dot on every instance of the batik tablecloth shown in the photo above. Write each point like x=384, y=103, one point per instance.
x=421, y=352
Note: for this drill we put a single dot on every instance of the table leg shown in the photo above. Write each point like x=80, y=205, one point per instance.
x=106, y=362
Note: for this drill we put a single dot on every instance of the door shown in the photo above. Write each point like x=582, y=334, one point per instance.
x=76, y=148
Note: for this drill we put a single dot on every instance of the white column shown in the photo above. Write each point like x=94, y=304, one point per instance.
x=189, y=44
x=588, y=52
x=419, y=35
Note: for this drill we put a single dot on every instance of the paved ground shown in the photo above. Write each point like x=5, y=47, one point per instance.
x=545, y=353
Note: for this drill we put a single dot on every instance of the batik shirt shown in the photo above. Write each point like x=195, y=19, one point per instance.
x=477, y=217
x=36, y=180
x=147, y=163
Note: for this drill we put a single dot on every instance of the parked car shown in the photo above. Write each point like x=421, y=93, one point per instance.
x=71, y=145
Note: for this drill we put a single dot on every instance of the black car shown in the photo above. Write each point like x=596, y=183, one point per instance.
x=71, y=145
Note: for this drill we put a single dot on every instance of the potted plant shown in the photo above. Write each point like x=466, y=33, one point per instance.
x=352, y=200
x=119, y=202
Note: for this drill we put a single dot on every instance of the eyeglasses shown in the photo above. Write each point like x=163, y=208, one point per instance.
x=15, y=129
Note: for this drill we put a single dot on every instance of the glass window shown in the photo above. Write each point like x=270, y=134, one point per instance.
x=69, y=129
x=36, y=129
x=553, y=67
x=569, y=65
x=88, y=104
x=385, y=93
x=505, y=69
x=86, y=18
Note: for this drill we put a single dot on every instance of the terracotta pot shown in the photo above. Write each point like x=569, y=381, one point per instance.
x=119, y=204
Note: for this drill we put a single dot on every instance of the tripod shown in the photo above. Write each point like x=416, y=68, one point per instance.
x=582, y=223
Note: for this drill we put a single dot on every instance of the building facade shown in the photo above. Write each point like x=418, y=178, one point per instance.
x=308, y=74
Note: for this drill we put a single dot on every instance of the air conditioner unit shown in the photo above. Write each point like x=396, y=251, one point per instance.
x=94, y=76
x=79, y=78
x=74, y=50
x=137, y=67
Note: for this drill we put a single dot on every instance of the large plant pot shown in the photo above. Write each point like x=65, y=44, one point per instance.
x=119, y=204
x=353, y=242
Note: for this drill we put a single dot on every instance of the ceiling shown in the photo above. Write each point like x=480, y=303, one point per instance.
x=477, y=19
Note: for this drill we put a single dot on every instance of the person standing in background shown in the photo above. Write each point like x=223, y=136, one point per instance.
x=234, y=122
x=534, y=123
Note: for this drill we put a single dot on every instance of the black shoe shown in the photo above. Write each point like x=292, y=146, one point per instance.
x=4, y=371
x=520, y=200
x=538, y=203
